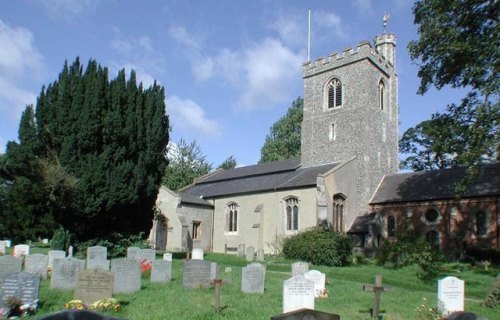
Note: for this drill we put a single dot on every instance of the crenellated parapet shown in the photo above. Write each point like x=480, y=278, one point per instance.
x=364, y=50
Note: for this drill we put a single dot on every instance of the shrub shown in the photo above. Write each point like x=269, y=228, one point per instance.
x=61, y=239
x=319, y=246
x=116, y=243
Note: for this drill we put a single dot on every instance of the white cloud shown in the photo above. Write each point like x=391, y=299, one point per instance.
x=364, y=5
x=66, y=9
x=291, y=29
x=330, y=21
x=181, y=35
x=188, y=115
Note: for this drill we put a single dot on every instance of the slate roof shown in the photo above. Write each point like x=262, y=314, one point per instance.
x=436, y=185
x=193, y=199
x=277, y=175
x=361, y=223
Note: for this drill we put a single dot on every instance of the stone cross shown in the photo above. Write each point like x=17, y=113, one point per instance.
x=378, y=288
x=218, y=283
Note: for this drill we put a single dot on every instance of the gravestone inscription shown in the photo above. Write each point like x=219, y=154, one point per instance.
x=450, y=295
x=161, y=271
x=22, y=285
x=37, y=264
x=198, y=273
x=298, y=293
x=93, y=285
x=64, y=272
x=127, y=275
x=253, y=277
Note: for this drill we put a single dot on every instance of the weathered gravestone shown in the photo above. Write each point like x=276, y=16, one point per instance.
x=78, y=315
x=450, y=295
x=167, y=256
x=197, y=254
x=132, y=253
x=377, y=289
x=253, y=277
x=146, y=256
x=127, y=275
x=93, y=285
x=250, y=254
x=241, y=250
x=10, y=264
x=98, y=263
x=161, y=271
x=298, y=293
x=70, y=251
x=21, y=250
x=97, y=252
x=55, y=254
x=37, y=264
x=299, y=268
x=319, y=281
x=21, y=285
x=198, y=273
x=64, y=272
x=3, y=249
x=306, y=314
x=260, y=255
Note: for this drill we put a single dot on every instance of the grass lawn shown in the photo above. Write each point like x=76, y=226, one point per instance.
x=345, y=294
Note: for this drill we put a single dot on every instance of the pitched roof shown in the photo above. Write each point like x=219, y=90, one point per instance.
x=193, y=199
x=277, y=175
x=436, y=185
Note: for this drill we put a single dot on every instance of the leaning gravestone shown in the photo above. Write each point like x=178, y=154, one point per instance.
x=10, y=264
x=450, y=295
x=98, y=263
x=21, y=285
x=253, y=277
x=198, y=273
x=161, y=271
x=56, y=254
x=132, y=252
x=93, y=285
x=146, y=256
x=241, y=250
x=197, y=254
x=21, y=250
x=299, y=268
x=306, y=314
x=37, y=264
x=97, y=252
x=250, y=254
x=319, y=281
x=127, y=275
x=64, y=272
x=298, y=293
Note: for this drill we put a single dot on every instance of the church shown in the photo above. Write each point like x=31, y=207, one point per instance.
x=346, y=178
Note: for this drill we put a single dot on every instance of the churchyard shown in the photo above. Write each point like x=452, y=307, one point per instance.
x=218, y=286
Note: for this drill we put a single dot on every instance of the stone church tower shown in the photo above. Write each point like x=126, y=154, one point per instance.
x=351, y=113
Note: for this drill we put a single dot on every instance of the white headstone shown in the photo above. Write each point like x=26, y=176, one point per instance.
x=45, y=241
x=8, y=243
x=127, y=275
x=197, y=254
x=260, y=255
x=450, y=295
x=64, y=272
x=2, y=247
x=70, y=251
x=167, y=256
x=161, y=271
x=298, y=293
x=146, y=256
x=241, y=250
x=21, y=250
x=319, y=281
x=299, y=268
x=55, y=254
x=97, y=252
x=132, y=252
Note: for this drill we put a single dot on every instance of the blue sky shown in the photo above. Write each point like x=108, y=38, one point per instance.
x=230, y=68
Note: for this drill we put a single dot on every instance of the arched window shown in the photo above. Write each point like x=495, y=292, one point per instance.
x=338, y=212
x=381, y=95
x=292, y=213
x=232, y=217
x=391, y=226
x=334, y=90
x=433, y=238
x=481, y=223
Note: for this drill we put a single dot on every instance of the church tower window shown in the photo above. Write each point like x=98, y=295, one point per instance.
x=292, y=214
x=334, y=90
x=381, y=95
x=338, y=212
x=232, y=217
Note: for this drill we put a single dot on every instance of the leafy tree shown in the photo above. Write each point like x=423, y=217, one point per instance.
x=186, y=162
x=229, y=163
x=283, y=142
x=90, y=157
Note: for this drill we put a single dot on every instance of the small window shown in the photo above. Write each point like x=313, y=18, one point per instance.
x=431, y=215
x=481, y=223
x=391, y=226
x=292, y=213
x=338, y=212
x=196, y=230
x=381, y=95
x=232, y=217
x=334, y=89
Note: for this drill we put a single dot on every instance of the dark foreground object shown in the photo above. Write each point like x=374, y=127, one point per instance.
x=306, y=314
x=78, y=315
x=460, y=315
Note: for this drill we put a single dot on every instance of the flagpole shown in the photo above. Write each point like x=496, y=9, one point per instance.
x=309, y=37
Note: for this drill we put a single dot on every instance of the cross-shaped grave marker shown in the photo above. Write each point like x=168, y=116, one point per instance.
x=378, y=288
x=217, y=282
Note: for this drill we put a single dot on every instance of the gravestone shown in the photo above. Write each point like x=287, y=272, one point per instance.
x=132, y=253
x=97, y=252
x=377, y=289
x=37, y=264
x=70, y=251
x=319, y=281
x=299, y=268
x=250, y=254
x=198, y=273
x=450, y=295
x=64, y=272
x=241, y=250
x=298, y=293
x=55, y=254
x=10, y=264
x=22, y=285
x=253, y=277
x=7, y=243
x=21, y=250
x=127, y=275
x=45, y=241
x=260, y=255
x=93, y=285
x=98, y=263
x=306, y=314
x=3, y=249
x=146, y=256
x=197, y=254
x=161, y=271
x=167, y=256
